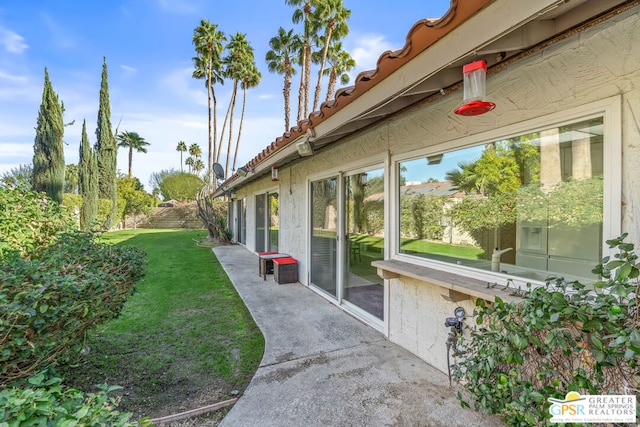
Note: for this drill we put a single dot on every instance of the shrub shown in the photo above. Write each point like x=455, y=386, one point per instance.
x=46, y=402
x=561, y=337
x=48, y=302
x=28, y=220
x=181, y=186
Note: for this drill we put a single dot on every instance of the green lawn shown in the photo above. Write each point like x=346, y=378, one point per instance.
x=183, y=335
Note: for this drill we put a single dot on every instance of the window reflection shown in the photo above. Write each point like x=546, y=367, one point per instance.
x=364, y=223
x=540, y=194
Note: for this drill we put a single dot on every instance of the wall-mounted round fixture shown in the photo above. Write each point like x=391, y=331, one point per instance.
x=459, y=313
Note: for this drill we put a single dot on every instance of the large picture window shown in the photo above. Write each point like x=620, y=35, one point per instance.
x=529, y=206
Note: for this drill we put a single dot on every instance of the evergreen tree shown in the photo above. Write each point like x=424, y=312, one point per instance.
x=88, y=182
x=106, y=151
x=48, y=150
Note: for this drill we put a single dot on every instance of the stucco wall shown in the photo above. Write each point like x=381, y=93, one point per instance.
x=599, y=63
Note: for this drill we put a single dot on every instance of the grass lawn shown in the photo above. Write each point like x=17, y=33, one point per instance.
x=184, y=339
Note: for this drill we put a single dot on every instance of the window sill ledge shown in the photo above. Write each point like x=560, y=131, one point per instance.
x=454, y=287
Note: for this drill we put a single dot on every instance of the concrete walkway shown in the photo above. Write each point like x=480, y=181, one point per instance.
x=322, y=367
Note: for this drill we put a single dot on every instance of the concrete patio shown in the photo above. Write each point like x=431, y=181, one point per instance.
x=322, y=367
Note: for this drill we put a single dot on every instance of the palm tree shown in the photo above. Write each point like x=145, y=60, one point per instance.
x=132, y=141
x=195, y=151
x=251, y=79
x=333, y=16
x=340, y=63
x=190, y=162
x=303, y=13
x=285, y=48
x=182, y=147
x=238, y=64
x=208, y=42
x=198, y=165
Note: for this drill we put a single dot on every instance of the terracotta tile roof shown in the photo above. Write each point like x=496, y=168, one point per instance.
x=422, y=34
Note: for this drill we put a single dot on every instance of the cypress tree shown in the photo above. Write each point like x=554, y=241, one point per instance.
x=87, y=182
x=106, y=151
x=48, y=149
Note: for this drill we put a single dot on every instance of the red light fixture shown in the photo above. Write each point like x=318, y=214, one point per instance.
x=475, y=83
x=274, y=173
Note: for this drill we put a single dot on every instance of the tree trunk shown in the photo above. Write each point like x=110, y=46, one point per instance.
x=287, y=92
x=244, y=103
x=316, y=98
x=130, y=159
x=232, y=107
x=333, y=78
x=210, y=152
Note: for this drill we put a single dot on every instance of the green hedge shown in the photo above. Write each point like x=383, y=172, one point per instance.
x=49, y=301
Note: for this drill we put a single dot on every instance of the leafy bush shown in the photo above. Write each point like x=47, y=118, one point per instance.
x=181, y=186
x=46, y=402
x=28, y=220
x=49, y=301
x=561, y=337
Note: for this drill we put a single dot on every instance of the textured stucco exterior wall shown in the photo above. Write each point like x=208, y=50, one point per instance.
x=599, y=63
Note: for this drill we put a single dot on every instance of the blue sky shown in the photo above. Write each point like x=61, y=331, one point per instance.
x=148, y=48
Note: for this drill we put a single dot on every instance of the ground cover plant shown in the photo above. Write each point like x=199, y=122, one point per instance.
x=561, y=337
x=184, y=340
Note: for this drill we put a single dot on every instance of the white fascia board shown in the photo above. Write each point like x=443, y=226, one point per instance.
x=489, y=24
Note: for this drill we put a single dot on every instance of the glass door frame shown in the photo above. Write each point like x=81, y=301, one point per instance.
x=368, y=318
x=339, y=225
x=342, y=257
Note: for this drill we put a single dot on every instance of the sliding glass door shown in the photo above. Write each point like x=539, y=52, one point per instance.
x=324, y=227
x=364, y=231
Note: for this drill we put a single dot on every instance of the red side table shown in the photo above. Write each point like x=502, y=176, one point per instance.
x=285, y=270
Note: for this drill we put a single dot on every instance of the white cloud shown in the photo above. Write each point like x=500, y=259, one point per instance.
x=180, y=83
x=12, y=41
x=128, y=70
x=365, y=50
x=12, y=78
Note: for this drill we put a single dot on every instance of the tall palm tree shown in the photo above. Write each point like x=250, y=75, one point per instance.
x=208, y=43
x=132, y=140
x=285, y=48
x=195, y=151
x=239, y=63
x=251, y=79
x=303, y=13
x=332, y=16
x=340, y=63
x=182, y=147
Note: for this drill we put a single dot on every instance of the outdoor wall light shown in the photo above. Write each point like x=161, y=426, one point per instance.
x=304, y=148
x=274, y=173
x=475, y=84
x=304, y=145
x=242, y=171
